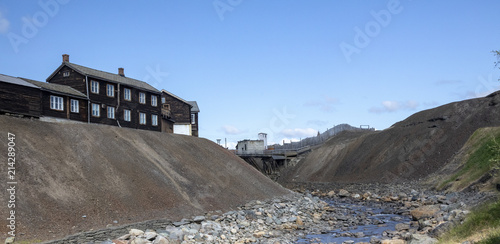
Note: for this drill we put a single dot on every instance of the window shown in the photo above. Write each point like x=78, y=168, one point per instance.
x=126, y=115
x=56, y=103
x=142, y=97
x=126, y=94
x=110, y=90
x=94, y=86
x=96, y=110
x=142, y=118
x=193, y=119
x=154, y=101
x=111, y=112
x=154, y=120
x=66, y=74
x=163, y=100
x=75, y=106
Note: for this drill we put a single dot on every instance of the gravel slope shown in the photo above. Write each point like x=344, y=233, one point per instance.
x=409, y=150
x=76, y=177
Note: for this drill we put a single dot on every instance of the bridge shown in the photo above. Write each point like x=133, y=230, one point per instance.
x=270, y=162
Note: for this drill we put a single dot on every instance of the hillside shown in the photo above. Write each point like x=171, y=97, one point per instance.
x=410, y=149
x=76, y=177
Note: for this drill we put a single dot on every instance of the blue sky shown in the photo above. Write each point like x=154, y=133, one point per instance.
x=287, y=68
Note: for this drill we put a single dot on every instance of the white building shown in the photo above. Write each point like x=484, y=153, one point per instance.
x=250, y=147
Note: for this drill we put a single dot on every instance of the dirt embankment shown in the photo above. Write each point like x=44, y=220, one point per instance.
x=76, y=177
x=411, y=149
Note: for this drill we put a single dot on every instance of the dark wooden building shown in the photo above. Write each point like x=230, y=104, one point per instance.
x=195, y=110
x=19, y=97
x=176, y=114
x=59, y=101
x=113, y=99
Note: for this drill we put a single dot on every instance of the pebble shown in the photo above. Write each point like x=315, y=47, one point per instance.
x=292, y=217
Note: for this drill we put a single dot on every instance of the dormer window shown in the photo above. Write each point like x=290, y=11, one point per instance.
x=66, y=74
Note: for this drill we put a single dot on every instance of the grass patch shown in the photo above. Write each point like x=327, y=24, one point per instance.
x=484, y=156
x=485, y=217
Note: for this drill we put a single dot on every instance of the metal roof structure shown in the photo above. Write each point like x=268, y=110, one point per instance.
x=195, y=108
x=16, y=81
x=106, y=76
x=55, y=88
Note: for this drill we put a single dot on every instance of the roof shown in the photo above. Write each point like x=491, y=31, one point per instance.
x=55, y=88
x=195, y=108
x=16, y=81
x=173, y=95
x=107, y=76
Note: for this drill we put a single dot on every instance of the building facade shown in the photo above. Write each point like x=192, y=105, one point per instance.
x=113, y=99
x=178, y=115
x=78, y=93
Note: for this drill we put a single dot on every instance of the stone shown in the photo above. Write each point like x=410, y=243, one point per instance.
x=161, y=240
x=150, y=235
x=10, y=240
x=199, y=219
x=259, y=234
x=426, y=211
x=396, y=241
x=139, y=241
x=331, y=194
x=299, y=221
x=402, y=226
x=135, y=232
x=422, y=239
x=120, y=241
x=344, y=193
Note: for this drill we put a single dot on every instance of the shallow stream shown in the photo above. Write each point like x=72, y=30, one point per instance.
x=368, y=220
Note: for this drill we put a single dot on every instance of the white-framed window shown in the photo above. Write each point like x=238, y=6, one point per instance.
x=111, y=112
x=75, y=106
x=154, y=100
x=126, y=115
x=193, y=119
x=154, y=120
x=110, y=90
x=96, y=110
x=142, y=118
x=94, y=86
x=126, y=94
x=163, y=100
x=56, y=103
x=142, y=97
x=66, y=74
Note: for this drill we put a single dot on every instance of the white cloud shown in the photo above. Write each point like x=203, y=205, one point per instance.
x=299, y=132
x=325, y=104
x=393, y=106
x=231, y=130
x=4, y=24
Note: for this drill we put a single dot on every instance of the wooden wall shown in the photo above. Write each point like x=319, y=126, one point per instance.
x=20, y=99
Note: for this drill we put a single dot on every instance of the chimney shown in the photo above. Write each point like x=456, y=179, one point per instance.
x=65, y=58
x=121, y=72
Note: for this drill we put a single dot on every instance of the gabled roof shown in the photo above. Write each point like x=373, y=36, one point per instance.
x=176, y=97
x=16, y=81
x=55, y=88
x=106, y=76
x=195, y=108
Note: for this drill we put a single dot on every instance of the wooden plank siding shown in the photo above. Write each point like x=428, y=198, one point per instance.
x=180, y=111
x=66, y=112
x=19, y=99
x=76, y=80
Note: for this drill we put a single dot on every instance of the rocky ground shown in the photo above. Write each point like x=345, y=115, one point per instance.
x=422, y=217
